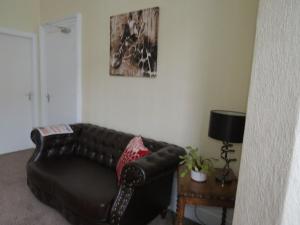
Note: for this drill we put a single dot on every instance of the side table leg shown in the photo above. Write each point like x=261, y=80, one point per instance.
x=180, y=211
x=224, y=216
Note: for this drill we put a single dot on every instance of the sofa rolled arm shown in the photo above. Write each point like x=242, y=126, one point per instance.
x=37, y=139
x=153, y=166
x=47, y=146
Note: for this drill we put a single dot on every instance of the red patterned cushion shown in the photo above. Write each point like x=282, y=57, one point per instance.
x=134, y=150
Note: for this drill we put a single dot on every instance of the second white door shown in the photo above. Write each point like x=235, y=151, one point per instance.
x=61, y=71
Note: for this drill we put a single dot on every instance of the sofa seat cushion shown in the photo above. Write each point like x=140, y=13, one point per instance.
x=80, y=185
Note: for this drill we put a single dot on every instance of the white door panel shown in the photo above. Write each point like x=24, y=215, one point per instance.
x=16, y=61
x=60, y=67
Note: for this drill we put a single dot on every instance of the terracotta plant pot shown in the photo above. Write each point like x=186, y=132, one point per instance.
x=198, y=176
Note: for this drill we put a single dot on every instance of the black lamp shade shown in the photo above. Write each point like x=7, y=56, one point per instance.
x=227, y=126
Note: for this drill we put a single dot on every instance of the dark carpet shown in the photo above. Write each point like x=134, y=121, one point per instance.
x=18, y=206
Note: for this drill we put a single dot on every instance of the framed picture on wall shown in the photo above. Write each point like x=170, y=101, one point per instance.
x=133, y=43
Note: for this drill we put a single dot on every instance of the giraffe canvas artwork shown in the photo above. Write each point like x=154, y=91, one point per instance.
x=133, y=43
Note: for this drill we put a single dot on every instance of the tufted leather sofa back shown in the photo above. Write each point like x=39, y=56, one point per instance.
x=90, y=141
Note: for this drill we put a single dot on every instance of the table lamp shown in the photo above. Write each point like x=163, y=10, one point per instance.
x=228, y=127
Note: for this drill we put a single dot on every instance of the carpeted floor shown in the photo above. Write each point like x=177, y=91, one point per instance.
x=19, y=207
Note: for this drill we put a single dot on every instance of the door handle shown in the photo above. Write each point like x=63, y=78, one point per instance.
x=48, y=97
x=29, y=96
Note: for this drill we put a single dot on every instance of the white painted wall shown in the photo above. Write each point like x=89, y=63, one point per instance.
x=20, y=15
x=291, y=215
x=268, y=189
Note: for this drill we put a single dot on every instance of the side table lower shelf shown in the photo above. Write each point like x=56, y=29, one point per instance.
x=209, y=193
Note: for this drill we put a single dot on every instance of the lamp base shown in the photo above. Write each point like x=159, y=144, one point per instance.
x=225, y=176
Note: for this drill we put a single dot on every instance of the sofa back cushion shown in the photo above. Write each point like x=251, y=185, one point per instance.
x=105, y=145
x=100, y=144
x=90, y=141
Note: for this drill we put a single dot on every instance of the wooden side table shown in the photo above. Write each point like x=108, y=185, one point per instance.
x=209, y=193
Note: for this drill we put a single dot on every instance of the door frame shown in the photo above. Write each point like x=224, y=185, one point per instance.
x=77, y=20
x=34, y=77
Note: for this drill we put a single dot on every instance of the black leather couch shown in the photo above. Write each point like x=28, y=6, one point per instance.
x=75, y=174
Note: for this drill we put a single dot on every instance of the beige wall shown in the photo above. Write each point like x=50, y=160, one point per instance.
x=204, y=62
x=22, y=15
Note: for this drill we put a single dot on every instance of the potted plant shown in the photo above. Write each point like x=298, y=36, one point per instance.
x=196, y=164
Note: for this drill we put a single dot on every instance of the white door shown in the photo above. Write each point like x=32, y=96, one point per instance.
x=16, y=91
x=61, y=71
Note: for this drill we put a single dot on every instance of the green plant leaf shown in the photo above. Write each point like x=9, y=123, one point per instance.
x=194, y=161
